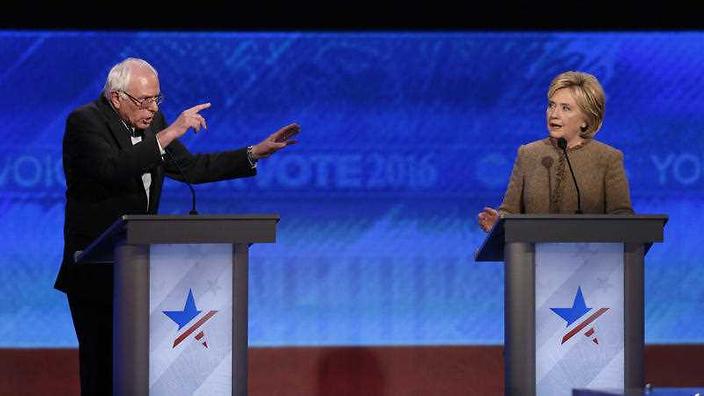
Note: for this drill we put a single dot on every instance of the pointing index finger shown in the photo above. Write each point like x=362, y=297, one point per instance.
x=197, y=108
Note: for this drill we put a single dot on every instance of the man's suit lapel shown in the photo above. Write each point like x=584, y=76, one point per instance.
x=117, y=128
x=122, y=137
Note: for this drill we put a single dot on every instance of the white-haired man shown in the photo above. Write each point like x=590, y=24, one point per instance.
x=114, y=162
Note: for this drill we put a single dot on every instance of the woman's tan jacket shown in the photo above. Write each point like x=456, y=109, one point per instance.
x=541, y=181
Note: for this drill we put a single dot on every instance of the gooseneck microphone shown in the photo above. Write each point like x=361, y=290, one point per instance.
x=562, y=143
x=186, y=180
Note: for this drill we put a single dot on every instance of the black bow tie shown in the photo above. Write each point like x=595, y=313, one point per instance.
x=133, y=132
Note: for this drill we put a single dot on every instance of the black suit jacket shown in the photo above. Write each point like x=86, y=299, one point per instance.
x=103, y=171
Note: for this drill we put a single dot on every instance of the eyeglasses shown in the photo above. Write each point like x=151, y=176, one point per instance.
x=145, y=103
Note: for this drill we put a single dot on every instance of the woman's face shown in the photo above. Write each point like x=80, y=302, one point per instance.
x=565, y=119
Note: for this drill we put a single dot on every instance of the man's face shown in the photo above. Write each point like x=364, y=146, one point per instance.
x=137, y=104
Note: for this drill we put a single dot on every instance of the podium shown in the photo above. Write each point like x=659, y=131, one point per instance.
x=573, y=299
x=180, y=300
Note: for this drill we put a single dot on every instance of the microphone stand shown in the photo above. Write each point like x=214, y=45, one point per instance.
x=188, y=183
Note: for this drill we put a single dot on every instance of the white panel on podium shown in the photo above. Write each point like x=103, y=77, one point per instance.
x=190, y=319
x=579, y=300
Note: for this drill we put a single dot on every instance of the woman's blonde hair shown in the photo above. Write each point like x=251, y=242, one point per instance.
x=588, y=94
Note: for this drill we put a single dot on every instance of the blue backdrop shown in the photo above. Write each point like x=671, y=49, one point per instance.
x=406, y=136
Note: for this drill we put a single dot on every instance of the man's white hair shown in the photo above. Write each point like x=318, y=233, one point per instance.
x=120, y=74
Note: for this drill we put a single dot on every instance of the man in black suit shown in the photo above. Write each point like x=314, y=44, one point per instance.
x=116, y=152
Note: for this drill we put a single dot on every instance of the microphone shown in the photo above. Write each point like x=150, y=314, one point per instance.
x=186, y=180
x=562, y=143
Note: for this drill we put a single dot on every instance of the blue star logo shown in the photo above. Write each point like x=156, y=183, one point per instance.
x=187, y=314
x=579, y=308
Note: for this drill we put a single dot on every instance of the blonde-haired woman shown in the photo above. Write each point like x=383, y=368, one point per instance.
x=541, y=182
